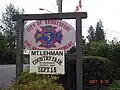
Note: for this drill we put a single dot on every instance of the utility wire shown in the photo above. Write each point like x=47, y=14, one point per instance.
x=104, y=30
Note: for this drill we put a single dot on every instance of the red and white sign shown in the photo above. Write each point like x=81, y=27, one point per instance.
x=49, y=34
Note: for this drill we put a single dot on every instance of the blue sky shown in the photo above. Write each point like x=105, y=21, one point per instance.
x=106, y=10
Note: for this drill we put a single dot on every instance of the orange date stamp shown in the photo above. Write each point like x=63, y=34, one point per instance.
x=98, y=82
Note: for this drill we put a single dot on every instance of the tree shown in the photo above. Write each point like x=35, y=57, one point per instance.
x=3, y=48
x=91, y=32
x=73, y=49
x=110, y=50
x=97, y=49
x=99, y=33
x=94, y=68
x=8, y=26
x=115, y=85
x=2, y=43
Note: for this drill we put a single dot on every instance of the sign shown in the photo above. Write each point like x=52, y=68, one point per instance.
x=49, y=34
x=47, y=61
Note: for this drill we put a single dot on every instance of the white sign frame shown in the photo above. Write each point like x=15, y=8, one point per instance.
x=47, y=61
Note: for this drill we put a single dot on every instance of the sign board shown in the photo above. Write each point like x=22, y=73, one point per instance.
x=47, y=61
x=49, y=34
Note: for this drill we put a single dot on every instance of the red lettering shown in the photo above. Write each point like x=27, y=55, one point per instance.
x=64, y=26
x=48, y=21
x=28, y=29
x=70, y=44
x=27, y=43
x=56, y=22
x=45, y=21
x=66, y=46
x=67, y=28
x=32, y=26
x=60, y=24
x=39, y=23
x=53, y=22
x=35, y=48
x=61, y=48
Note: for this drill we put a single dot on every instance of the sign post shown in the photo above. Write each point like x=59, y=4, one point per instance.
x=79, y=64
x=55, y=16
x=19, y=49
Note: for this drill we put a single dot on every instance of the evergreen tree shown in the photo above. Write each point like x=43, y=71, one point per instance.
x=99, y=33
x=91, y=32
x=7, y=26
x=2, y=44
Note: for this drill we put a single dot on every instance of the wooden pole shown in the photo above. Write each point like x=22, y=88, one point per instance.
x=79, y=66
x=19, y=49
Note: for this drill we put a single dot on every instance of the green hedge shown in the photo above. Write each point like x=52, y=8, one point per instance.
x=115, y=85
x=32, y=81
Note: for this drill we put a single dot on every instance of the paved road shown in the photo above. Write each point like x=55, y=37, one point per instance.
x=7, y=73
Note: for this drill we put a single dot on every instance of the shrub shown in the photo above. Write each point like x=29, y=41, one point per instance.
x=115, y=85
x=94, y=68
x=33, y=81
